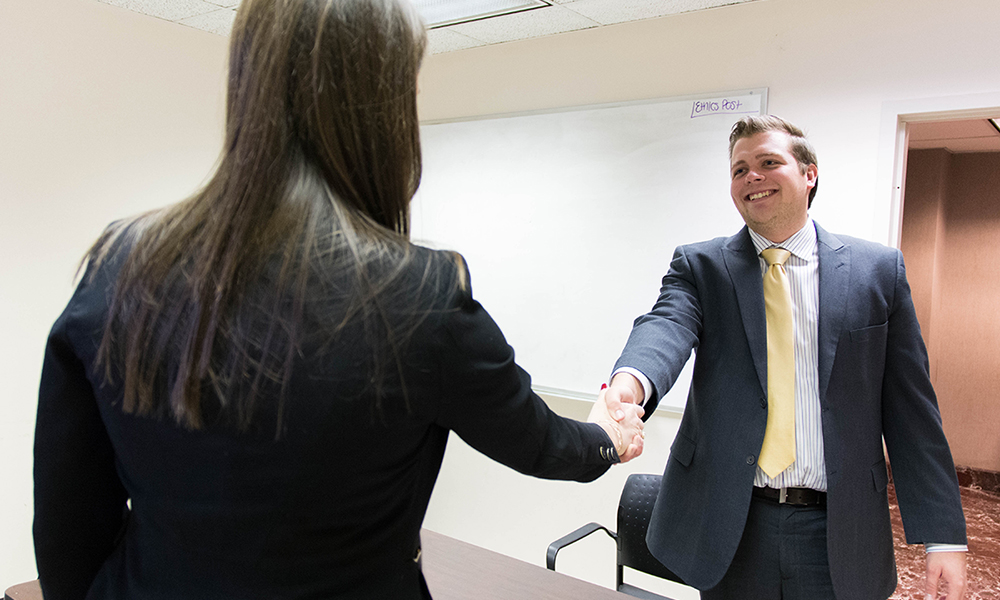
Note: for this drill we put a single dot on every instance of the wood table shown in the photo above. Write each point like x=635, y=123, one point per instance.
x=24, y=591
x=457, y=570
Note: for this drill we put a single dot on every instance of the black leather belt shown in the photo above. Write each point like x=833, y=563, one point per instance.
x=792, y=496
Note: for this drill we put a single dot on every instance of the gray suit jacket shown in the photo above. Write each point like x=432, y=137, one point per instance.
x=873, y=383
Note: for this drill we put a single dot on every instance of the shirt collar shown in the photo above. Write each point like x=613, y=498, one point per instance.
x=802, y=244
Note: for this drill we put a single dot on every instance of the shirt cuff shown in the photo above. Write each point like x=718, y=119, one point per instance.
x=647, y=385
x=931, y=547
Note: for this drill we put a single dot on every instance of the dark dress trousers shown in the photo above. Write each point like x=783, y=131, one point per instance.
x=130, y=507
x=873, y=384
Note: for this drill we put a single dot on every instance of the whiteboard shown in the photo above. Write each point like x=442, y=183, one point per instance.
x=568, y=219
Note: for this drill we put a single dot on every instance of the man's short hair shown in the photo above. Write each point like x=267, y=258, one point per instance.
x=799, y=146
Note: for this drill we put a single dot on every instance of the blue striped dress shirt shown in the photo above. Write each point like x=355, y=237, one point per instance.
x=802, y=269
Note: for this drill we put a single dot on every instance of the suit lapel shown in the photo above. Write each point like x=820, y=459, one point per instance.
x=744, y=271
x=834, y=279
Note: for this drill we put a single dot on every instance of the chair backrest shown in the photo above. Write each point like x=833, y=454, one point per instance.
x=634, y=511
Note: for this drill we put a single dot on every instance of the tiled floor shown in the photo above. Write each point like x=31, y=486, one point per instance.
x=982, y=516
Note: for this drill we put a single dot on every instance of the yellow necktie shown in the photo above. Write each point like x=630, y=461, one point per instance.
x=778, y=451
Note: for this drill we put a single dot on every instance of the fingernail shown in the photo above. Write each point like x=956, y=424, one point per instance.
x=604, y=386
x=620, y=415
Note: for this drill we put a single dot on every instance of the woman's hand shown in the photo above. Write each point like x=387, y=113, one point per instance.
x=625, y=433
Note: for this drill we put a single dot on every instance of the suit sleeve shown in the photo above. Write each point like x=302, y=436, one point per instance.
x=922, y=466
x=661, y=340
x=486, y=398
x=80, y=503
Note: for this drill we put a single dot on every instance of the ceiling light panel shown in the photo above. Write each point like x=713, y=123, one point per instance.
x=440, y=13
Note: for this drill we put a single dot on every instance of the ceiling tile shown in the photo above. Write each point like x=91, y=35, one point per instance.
x=561, y=16
x=960, y=145
x=219, y=21
x=171, y=11
x=446, y=40
x=966, y=135
x=533, y=23
x=607, y=12
x=442, y=12
x=936, y=130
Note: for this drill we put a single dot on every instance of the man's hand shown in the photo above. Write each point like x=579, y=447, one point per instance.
x=626, y=433
x=946, y=567
x=624, y=389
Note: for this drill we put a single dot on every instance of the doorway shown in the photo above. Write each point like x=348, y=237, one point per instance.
x=950, y=239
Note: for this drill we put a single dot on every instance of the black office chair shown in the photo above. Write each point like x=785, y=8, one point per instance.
x=634, y=510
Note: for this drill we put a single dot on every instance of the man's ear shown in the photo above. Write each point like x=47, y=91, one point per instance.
x=812, y=173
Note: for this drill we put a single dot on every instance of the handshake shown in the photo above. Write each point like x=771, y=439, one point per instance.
x=618, y=412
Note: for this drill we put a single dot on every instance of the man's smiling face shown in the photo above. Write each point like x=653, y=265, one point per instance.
x=769, y=187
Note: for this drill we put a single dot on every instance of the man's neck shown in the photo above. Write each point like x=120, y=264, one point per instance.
x=778, y=238
x=761, y=241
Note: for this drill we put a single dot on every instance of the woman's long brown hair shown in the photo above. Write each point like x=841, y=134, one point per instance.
x=321, y=159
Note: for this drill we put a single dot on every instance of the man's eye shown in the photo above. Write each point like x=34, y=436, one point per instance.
x=738, y=172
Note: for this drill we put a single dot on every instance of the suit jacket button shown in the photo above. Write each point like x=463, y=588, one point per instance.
x=750, y=459
x=763, y=402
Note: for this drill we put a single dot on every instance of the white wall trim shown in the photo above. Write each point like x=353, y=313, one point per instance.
x=893, y=142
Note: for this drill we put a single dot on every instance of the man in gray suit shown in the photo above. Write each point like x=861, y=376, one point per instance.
x=820, y=528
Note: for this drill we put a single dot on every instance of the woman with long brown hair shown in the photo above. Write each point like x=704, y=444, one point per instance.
x=250, y=392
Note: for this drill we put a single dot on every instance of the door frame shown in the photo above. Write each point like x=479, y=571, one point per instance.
x=894, y=142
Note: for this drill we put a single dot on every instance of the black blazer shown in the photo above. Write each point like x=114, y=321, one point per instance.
x=138, y=508
x=873, y=383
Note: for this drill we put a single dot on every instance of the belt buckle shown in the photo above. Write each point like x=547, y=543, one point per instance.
x=782, y=495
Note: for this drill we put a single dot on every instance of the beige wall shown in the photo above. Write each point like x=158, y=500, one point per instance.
x=105, y=112
x=923, y=234
x=951, y=241
x=830, y=65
